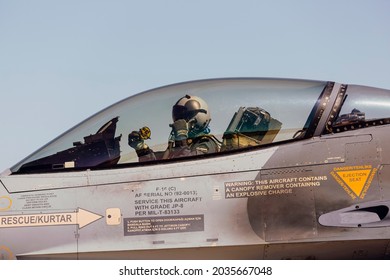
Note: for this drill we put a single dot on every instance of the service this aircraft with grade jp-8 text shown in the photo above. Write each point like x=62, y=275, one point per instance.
x=238, y=168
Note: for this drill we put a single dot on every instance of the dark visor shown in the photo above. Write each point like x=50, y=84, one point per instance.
x=187, y=112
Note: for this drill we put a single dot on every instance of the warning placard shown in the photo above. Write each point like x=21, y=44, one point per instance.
x=157, y=225
x=271, y=186
x=355, y=180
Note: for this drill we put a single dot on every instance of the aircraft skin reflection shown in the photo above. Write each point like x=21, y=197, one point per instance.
x=300, y=170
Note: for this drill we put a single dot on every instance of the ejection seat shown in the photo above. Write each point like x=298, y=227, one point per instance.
x=250, y=126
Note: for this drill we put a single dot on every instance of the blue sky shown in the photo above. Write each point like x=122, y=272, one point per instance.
x=61, y=61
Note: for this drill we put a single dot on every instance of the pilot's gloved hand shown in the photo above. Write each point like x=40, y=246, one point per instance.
x=135, y=141
x=180, y=130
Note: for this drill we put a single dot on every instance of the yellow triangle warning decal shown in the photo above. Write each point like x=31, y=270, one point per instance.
x=355, y=179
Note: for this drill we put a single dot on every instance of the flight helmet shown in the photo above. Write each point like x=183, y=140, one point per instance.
x=194, y=111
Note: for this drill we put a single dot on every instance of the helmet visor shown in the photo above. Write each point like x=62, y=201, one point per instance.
x=181, y=113
x=186, y=111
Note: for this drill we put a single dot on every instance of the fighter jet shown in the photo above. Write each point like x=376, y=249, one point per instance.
x=234, y=168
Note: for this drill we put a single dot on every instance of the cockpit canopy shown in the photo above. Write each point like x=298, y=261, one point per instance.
x=244, y=113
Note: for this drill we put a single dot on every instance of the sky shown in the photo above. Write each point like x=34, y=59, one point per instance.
x=62, y=61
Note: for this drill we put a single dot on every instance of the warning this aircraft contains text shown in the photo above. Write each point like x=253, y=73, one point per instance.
x=277, y=186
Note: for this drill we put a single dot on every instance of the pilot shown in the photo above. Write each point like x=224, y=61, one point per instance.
x=190, y=133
